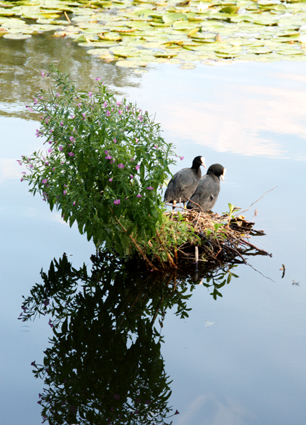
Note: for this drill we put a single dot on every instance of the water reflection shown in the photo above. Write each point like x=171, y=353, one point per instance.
x=104, y=364
x=20, y=62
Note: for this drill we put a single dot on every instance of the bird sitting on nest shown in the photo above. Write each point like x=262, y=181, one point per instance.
x=183, y=184
x=208, y=189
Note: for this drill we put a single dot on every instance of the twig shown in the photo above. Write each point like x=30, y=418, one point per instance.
x=201, y=209
x=168, y=254
x=67, y=17
x=255, y=247
x=241, y=212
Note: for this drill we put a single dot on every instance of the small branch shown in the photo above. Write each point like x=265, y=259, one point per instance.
x=67, y=17
x=255, y=247
x=201, y=209
x=241, y=212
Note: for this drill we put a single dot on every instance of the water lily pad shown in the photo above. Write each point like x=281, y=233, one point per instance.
x=188, y=65
x=16, y=36
x=126, y=64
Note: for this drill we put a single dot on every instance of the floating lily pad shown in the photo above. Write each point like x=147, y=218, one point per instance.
x=16, y=36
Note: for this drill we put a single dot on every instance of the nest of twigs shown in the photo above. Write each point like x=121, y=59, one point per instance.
x=219, y=240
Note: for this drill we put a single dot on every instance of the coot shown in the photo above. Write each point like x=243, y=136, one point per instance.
x=206, y=194
x=184, y=182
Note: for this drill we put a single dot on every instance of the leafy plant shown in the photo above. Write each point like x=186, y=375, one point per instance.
x=104, y=166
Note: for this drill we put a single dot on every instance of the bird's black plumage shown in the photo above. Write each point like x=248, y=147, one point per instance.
x=207, y=191
x=184, y=182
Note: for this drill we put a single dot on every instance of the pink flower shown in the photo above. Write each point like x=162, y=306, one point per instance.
x=106, y=152
x=79, y=105
x=105, y=104
x=120, y=112
x=117, y=202
x=47, y=163
x=72, y=116
x=137, y=167
x=44, y=181
x=132, y=159
x=42, y=74
x=107, y=113
x=131, y=176
x=150, y=188
x=98, y=79
x=29, y=108
x=140, y=118
x=70, y=153
x=60, y=148
x=51, y=131
x=64, y=192
x=73, y=203
x=155, y=146
x=115, y=141
x=181, y=158
x=118, y=103
x=89, y=94
x=138, y=196
x=61, y=123
x=19, y=162
x=72, y=139
x=50, y=150
x=84, y=115
x=136, y=140
x=110, y=180
x=120, y=165
x=108, y=157
x=35, y=101
x=57, y=95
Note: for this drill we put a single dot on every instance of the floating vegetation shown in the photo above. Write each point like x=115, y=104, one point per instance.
x=141, y=32
x=208, y=240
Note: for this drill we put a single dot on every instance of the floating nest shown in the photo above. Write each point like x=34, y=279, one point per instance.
x=214, y=240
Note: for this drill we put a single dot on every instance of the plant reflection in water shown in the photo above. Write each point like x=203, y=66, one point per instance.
x=104, y=363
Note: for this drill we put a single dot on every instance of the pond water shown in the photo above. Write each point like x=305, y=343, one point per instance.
x=237, y=360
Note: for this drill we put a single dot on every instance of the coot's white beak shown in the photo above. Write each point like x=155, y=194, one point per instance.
x=223, y=174
x=203, y=161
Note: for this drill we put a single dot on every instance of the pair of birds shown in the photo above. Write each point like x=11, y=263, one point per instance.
x=186, y=185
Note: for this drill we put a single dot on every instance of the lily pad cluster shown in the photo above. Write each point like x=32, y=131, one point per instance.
x=136, y=33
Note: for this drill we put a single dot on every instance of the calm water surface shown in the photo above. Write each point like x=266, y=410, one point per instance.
x=248, y=368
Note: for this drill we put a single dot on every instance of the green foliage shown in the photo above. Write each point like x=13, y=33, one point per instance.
x=105, y=164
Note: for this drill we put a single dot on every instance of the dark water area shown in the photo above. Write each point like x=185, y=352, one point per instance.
x=237, y=360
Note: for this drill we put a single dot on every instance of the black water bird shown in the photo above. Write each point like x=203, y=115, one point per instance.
x=207, y=191
x=184, y=182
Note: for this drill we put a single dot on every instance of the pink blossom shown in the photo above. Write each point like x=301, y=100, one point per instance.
x=140, y=118
x=150, y=188
x=155, y=146
x=105, y=104
x=138, y=196
x=181, y=158
x=29, y=108
x=51, y=131
x=19, y=162
x=79, y=105
x=98, y=78
x=120, y=165
x=23, y=172
x=117, y=202
x=107, y=113
x=120, y=112
x=44, y=181
x=115, y=141
x=108, y=157
x=47, y=163
x=110, y=180
x=89, y=94
x=119, y=103
x=73, y=203
x=60, y=148
x=84, y=115
x=70, y=153
x=57, y=95
x=72, y=139
x=64, y=192
x=61, y=123
x=131, y=176
x=35, y=101
x=50, y=150
x=136, y=140
x=137, y=167
x=42, y=74
x=106, y=152
x=72, y=116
